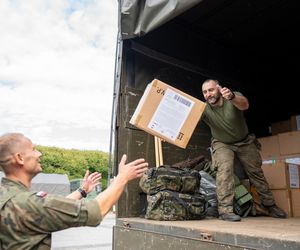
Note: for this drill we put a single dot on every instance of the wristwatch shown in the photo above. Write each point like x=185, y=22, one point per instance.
x=82, y=192
x=232, y=96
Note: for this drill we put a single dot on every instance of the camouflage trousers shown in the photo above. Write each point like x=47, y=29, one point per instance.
x=223, y=156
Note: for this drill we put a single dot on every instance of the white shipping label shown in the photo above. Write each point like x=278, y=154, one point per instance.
x=294, y=160
x=294, y=176
x=171, y=114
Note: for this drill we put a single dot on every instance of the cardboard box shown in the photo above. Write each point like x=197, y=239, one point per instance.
x=276, y=175
x=293, y=159
x=269, y=147
x=281, y=127
x=282, y=175
x=295, y=122
x=289, y=143
x=295, y=197
x=168, y=113
x=283, y=200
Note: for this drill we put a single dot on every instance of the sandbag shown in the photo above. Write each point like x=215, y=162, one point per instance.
x=183, y=180
x=170, y=206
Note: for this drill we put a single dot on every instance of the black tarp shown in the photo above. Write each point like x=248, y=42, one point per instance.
x=139, y=17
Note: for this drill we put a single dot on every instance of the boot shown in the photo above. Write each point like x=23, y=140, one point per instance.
x=230, y=217
x=276, y=212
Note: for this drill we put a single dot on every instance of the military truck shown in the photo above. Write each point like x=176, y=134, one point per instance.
x=250, y=46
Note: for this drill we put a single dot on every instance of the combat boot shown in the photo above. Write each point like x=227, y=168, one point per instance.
x=230, y=217
x=276, y=212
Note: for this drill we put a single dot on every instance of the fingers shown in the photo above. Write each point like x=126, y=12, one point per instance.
x=142, y=165
x=226, y=92
x=223, y=90
x=139, y=165
x=140, y=169
x=123, y=160
x=87, y=172
x=133, y=163
x=132, y=170
x=95, y=176
x=91, y=181
x=136, y=162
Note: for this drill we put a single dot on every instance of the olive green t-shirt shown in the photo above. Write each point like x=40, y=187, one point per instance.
x=227, y=123
x=28, y=218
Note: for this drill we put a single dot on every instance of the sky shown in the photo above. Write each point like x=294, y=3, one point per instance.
x=57, y=71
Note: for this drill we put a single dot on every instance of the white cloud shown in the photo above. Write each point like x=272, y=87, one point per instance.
x=57, y=71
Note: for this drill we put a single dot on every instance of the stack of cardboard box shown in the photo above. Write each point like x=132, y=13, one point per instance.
x=292, y=124
x=283, y=179
x=281, y=164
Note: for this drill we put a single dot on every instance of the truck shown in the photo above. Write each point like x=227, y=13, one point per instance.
x=250, y=46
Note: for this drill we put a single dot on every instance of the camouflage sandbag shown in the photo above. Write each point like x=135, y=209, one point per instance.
x=171, y=206
x=183, y=180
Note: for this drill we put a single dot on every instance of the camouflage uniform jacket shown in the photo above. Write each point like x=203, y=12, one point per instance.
x=27, y=218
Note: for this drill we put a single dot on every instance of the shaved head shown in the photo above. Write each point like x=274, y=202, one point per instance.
x=211, y=81
x=10, y=144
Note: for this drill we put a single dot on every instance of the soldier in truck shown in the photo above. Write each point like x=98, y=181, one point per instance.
x=230, y=139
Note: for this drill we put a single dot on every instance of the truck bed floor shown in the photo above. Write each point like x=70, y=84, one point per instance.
x=250, y=233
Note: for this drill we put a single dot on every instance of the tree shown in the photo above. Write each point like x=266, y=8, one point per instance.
x=73, y=162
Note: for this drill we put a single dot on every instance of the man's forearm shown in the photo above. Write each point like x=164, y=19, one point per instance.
x=110, y=196
x=240, y=102
x=76, y=195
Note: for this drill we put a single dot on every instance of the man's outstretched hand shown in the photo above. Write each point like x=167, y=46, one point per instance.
x=132, y=170
x=90, y=181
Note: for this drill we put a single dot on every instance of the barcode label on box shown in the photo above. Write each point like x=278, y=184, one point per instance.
x=294, y=176
x=171, y=114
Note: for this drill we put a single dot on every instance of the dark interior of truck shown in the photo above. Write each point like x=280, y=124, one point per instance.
x=249, y=46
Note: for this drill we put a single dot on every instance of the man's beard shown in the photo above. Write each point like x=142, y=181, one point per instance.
x=214, y=99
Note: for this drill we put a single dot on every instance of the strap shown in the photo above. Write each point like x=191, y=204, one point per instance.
x=179, y=200
x=82, y=192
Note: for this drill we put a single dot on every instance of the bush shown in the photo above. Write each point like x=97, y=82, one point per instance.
x=74, y=162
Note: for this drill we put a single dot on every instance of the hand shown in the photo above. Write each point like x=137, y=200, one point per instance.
x=132, y=170
x=90, y=181
x=226, y=93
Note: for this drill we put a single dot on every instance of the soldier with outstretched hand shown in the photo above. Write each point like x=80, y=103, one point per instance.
x=231, y=139
x=28, y=218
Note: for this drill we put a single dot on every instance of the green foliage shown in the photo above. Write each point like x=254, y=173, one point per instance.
x=74, y=162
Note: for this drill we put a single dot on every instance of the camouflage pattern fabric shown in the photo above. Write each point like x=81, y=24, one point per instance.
x=170, y=178
x=171, y=206
x=243, y=201
x=28, y=218
x=223, y=156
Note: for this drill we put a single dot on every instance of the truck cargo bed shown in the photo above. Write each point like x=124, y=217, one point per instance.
x=250, y=233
